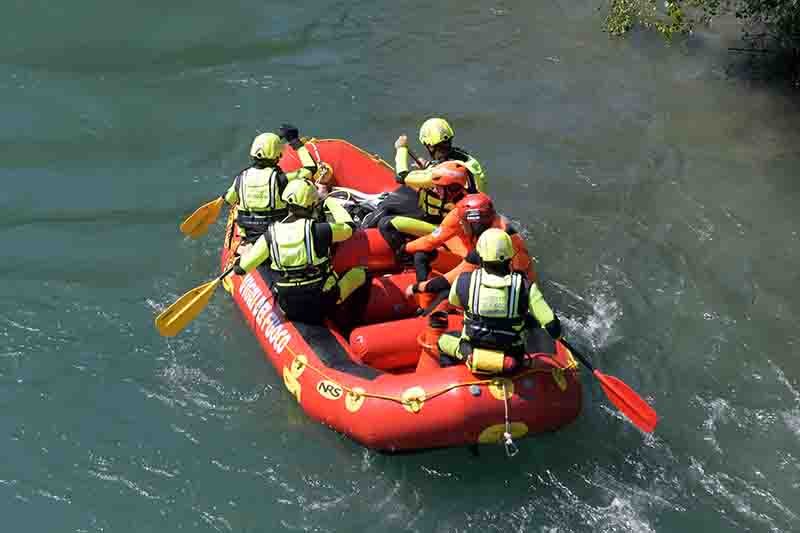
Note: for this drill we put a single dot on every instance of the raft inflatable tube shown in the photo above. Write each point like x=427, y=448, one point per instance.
x=366, y=374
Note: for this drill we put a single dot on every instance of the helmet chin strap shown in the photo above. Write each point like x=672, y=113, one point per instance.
x=443, y=148
x=478, y=228
x=263, y=163
x=455, y=198
x=497, y=268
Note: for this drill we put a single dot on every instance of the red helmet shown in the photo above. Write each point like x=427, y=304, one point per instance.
x=477, y=210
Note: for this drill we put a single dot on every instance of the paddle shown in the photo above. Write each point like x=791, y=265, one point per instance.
x=175, y=317
x=415, y=158
x=198, y=222
x=623, y=397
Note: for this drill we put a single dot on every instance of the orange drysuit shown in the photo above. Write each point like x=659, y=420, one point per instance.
x=457, y=236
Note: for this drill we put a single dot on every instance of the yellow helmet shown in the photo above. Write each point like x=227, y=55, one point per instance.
x=301, y=193
x=266, y=146
x=494, y=245
x=435, y=131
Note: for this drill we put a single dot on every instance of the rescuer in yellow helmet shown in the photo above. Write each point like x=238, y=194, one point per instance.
x=300, y=253
x=257, y=190
x=498, y=306
x=421, y=204
x=436, y=135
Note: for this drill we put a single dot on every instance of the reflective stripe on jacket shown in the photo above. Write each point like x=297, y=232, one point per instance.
x=257, y=192
x=433, y=206
x=293, y=253
x=491, y=309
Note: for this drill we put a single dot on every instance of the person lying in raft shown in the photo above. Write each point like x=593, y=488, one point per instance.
x=499, y=305
x=440, y=189
x=300, y=253
x=471, y=217
x=257, y=190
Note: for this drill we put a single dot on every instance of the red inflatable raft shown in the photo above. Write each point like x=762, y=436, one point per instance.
x=365, y=373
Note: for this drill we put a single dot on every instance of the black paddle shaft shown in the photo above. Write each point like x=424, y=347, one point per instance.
x=414, y=157
x=577, y=354
x=227, y=271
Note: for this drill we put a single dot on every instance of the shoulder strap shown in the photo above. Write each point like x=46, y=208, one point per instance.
x=310, y=255
x=239, y=184
x=475, y=290
x=273, y=244
x=459, y=154
x=462, y=288
x=238, y=179
x=513, y=295
x=273, y=188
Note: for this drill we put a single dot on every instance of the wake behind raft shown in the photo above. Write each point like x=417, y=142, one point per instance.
x=369, y=372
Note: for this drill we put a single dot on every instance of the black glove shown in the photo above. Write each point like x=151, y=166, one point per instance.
x=473, y=258
x=289, y=133
x=239, y=271
x=422, y=265
x=404, y=258
x=554, y=328
x=437, y=285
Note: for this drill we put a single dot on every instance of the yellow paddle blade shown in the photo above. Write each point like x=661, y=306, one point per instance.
x=173, y=319
x=198, y=222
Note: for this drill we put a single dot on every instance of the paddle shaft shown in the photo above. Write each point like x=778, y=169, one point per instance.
x=228, y=271
x=577, y=354
x=414, y=157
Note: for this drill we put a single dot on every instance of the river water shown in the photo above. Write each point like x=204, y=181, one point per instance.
x=658, y=193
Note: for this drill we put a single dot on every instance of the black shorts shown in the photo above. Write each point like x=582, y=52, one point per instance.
x=307, y=303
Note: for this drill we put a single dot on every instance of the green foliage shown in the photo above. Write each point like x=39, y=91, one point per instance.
x=623, y=15
x=768, y=25
x=779, y=18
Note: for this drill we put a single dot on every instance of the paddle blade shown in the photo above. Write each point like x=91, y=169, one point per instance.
x=173, y=319
x=628, y=402
x=197, y=224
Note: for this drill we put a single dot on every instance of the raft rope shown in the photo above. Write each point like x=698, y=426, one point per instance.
x=511, y=448
x=409, y=402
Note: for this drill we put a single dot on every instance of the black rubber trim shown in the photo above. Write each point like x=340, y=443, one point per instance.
x=325, y=345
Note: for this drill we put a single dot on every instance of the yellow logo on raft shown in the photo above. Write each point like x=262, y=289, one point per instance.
x=329, y=389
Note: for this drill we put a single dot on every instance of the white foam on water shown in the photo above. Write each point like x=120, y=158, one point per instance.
x=790, y=418
x=618, y=507
x=605, y=311
x=21, y=326
x=792, y=421
x=621, y=515
x=740, y=493
x=719, y=411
